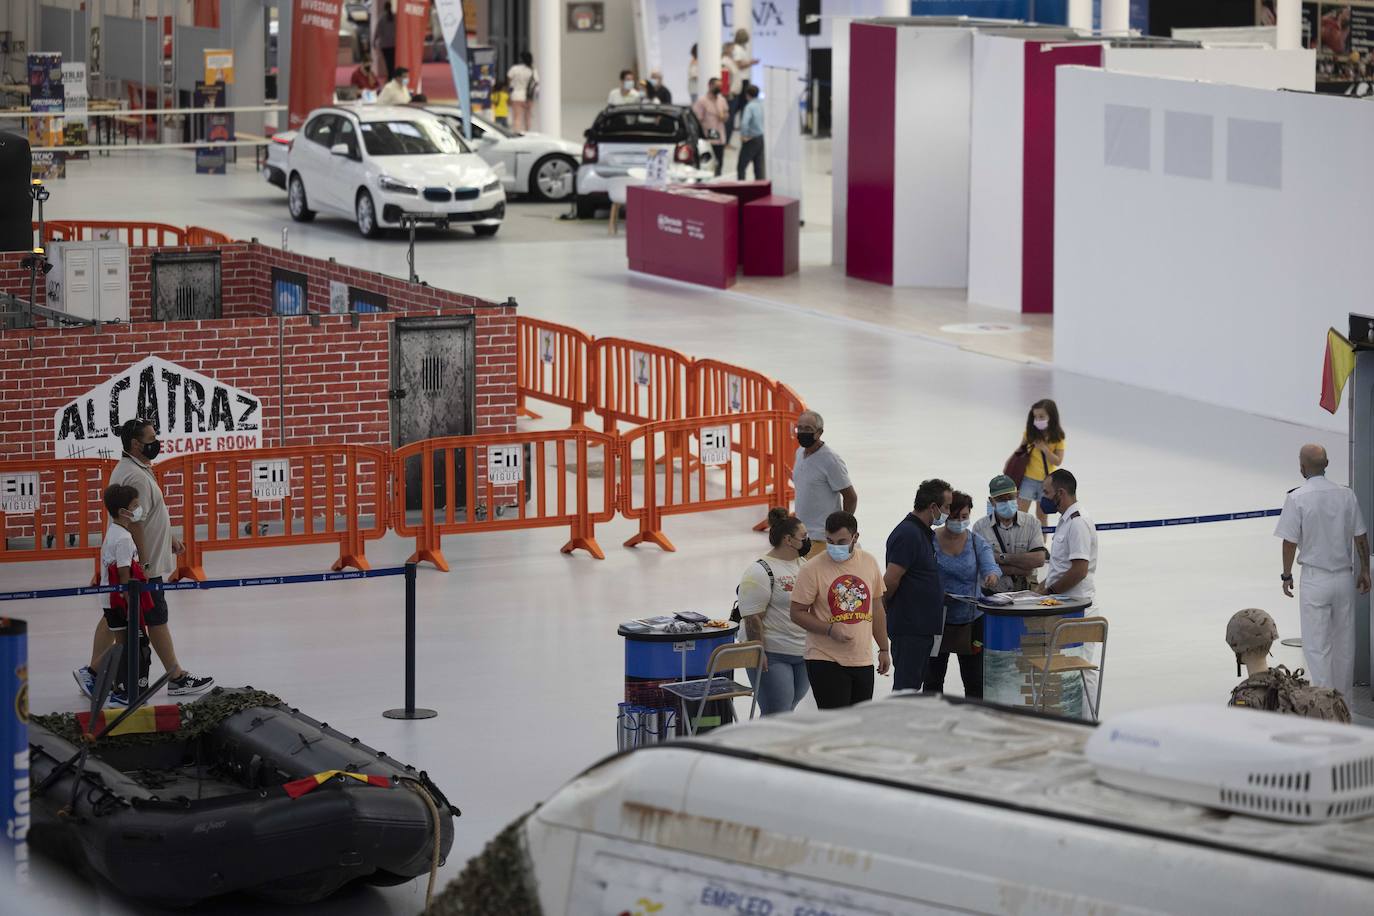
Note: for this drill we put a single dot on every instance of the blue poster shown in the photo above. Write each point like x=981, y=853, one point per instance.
x=288, y=292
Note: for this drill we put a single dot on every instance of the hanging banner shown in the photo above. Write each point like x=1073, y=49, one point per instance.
x=782, y=146
x=412, y=22
x=191, y=412
x=453, y=23
x=46, y=96
x=74, y=110
x=314, y=49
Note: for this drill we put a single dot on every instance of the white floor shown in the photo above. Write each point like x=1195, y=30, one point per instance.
x=517, y=649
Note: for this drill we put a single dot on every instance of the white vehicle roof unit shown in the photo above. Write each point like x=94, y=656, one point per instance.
x=1280, y=767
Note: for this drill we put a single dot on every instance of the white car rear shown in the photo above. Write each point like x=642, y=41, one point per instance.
x=535, y=164
x=620, y=140
x=379, y=164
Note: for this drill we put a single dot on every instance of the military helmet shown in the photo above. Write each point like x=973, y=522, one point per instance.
x=1251, y=630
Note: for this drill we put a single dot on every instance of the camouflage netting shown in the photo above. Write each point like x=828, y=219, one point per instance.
x=197, y=718
x=498, y=881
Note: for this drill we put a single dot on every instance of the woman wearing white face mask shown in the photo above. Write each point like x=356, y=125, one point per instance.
x=967, y=567
x=1043, y=442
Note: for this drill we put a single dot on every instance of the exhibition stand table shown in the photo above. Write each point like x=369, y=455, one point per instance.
x=769, y=231
x=654, y=656
x=1018, y=631
x=745, y=192
x=683, y=232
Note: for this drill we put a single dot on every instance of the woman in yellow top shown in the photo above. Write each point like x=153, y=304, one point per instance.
x=1044, y=442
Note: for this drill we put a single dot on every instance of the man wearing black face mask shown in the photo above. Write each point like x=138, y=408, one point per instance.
x=820, y=477
x=157, y=547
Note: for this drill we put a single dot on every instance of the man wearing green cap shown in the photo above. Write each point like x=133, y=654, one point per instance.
x=1015, y=536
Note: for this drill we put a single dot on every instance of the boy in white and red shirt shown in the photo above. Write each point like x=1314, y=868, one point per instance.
x=118, y=566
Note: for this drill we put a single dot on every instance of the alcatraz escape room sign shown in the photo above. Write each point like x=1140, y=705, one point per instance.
x=191, y=412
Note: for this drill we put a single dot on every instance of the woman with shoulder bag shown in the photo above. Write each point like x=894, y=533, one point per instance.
x=1042, y=444
x=765, y=600
x=967, y=566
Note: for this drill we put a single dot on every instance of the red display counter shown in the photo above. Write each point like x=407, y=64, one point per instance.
x=743, y=191
x=684, y=233
x=769, y=231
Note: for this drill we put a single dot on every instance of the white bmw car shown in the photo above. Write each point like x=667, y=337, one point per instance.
x=377, y=163
x=536, y=164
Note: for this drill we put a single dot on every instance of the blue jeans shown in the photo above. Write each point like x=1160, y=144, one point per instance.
x=784, y=683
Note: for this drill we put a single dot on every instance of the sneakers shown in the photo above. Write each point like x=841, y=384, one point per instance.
x=85, y=679
x=117, y=698
x=188, y=683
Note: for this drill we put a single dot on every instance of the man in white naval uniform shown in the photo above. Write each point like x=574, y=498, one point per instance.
x=1323, y=527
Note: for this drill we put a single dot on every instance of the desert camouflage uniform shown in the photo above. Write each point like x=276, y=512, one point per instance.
x=1288, y=692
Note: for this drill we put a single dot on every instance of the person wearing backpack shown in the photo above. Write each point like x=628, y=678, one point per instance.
x=765, y=603
x=1250, y=633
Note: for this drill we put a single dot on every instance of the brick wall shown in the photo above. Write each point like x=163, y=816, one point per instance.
x=335, y=376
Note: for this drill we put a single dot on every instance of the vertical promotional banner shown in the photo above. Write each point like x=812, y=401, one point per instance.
x=46, y=96
x=314, y=49
x=214, y=128
x=74, y=108
x=456, y=40
x=14, y=748
x=412, y=22
x=483, y=76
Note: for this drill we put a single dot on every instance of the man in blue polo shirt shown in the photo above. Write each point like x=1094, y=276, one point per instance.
x=914, y=597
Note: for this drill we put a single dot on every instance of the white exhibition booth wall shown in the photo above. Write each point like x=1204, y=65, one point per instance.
x=905, y=221
x=1000, y=169
x=1208, y=235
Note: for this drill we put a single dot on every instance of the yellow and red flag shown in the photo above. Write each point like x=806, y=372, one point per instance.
x=298, y=787
x=1340, y=362
x=142, y=721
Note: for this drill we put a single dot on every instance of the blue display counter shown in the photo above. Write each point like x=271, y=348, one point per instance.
x=1014, y=633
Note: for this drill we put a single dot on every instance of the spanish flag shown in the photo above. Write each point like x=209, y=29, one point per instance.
x=297, y=788
x=142, y=721
x=1340, y=362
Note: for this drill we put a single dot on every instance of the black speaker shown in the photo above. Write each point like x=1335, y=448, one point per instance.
x=16, y=207
x=809, y=17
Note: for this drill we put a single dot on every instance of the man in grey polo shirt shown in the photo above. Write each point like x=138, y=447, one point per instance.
x=1015, y=536
x=820, y=478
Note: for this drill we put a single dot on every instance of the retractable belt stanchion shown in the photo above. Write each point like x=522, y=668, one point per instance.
x=14, y=747
x=133, y=622
x=410, y=712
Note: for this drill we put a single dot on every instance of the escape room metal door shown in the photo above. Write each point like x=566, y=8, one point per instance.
x=433, y=374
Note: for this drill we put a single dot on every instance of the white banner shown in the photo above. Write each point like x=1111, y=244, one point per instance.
x=715, y=445
x=19, y=493
x=271, y=479
x=782, y=144
x=505, y=464
x=546, y=350
x=191, y=413
x=74, y=92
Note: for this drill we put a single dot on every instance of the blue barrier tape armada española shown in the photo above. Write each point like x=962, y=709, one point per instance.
x=1182, y=520
x=189, y=585
x=300, y=578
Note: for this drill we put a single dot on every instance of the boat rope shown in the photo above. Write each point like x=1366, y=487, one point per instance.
x=415, y=786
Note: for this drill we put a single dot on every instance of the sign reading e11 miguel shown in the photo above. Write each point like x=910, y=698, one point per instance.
x=191, y=412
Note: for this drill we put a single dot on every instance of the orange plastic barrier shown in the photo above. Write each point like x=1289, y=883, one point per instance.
x=57, y=508
x=700, y=465
x=638, y=383
x=133, y=234
x=540, y=477
x=277, y=497
x=553, y=364
x=721, y=388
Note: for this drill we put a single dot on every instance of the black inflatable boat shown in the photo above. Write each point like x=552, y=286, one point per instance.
x=237, y=792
